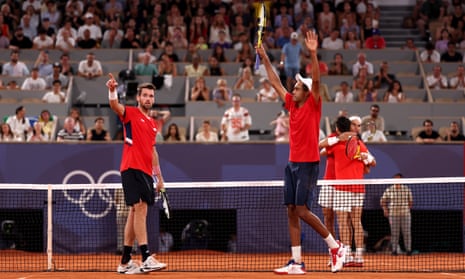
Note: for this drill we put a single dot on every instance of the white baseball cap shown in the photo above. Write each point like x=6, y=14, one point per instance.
x=307, y=81
x=294, y=35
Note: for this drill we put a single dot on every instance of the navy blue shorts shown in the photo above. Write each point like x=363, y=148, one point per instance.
x=300, y=180
x=137, y=185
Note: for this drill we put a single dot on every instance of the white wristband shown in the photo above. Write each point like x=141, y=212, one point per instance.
x=112, y=95
x=333, y=140
x=369, y=159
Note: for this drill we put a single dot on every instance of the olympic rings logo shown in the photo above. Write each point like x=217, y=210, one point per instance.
x=87, y=194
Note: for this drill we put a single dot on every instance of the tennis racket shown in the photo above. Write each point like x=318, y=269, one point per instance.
x=165, y=202
x=353, y=148
x=261, y=25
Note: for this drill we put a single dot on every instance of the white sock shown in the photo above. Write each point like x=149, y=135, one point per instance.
x=359, y=252
x=348, y=250
x=331, y=242
x=297, y=254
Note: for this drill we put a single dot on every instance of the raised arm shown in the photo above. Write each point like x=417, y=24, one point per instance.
x=113, y=96
x=311, y=41
x=273, y=77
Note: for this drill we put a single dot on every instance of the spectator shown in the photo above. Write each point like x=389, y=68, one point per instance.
x=368, y=93
x=78, y=122
x=430, y=54
x=43, y=64
x=191, y=51
x=453, y=133
x=337, y=66
x=67, y=26
x=221, y=41
x=282, y=13
x=218, y=53
x=47, y=122
x=90, y=68
x=245, y=80
x=218, y=24
x=373, y=117
x=86, y=41
x=69, y=133
x=15, y=68
x=34, y=82
x=360, y=80
x=56, y=95
x=236, y=122
x=384, y=79
x=436, y=80
x=372, y=134
x=130, y=40
x=98, y=133
x=166, y=67
x=198, y=28
x=376, y=41
x=146, y=68
x=148, y=50
x=349, y=24
x=222, y=93
x=267, y=93
x=322, y=64
x=290, y=59
x=6, y=135
x=344, y=95
x=396, y=203
x=42, y=41
x=352, y=42
x=326, y=17
x=451, y=55
x=28, y=26
x=173, y=134
x=56, y=75
x=244, y=53
x=95, y=30
x=165, y=241
x=19, y=41
x=169, y=50
x=37, y=134
x=409, y=45
x=200, y=91
x=333, y=42
x=442, y=43
x=362, y=63
x=281, y=130
x=52, y=13
x=214, y=68
x=195, y=69
x=205, y=134
x=394, y=94
x=428, y=135
x=20, y=125
x=457, y=81
x=66, y=67
x=65, y=42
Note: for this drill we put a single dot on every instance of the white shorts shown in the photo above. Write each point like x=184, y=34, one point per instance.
x=345, y=201
x=326, y=197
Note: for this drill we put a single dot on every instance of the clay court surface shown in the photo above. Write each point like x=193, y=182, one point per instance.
x=213, y=265
x=229, y=275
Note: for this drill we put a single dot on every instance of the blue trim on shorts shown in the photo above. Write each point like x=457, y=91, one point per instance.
x=300, y=180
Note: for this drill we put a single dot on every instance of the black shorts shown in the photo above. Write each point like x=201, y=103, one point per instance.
x=137, y=185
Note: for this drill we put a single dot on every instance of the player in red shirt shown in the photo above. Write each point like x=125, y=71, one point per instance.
x=348, y=199
x=139, y=168
x=301, y=173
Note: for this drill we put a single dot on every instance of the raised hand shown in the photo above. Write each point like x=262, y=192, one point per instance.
x=311, y=40
x=111, y=83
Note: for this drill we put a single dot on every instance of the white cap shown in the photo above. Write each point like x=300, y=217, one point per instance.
x=294, y=35
x=307, y=81
x=88, y=15
x=355, y=118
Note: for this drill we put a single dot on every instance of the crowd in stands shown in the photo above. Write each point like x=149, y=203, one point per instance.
x=217, y=26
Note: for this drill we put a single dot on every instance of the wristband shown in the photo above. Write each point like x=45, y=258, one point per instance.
x=369, y=159
x=333, y=141
x=112, y=95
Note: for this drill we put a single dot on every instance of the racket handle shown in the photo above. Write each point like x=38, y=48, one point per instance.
x=257, y=61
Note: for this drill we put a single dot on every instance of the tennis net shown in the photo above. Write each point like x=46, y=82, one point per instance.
x=221, y=226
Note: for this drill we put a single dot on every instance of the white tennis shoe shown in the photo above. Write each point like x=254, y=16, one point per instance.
x=291, y=268
x=151, y=264
x=130, y=268
x=338, y=256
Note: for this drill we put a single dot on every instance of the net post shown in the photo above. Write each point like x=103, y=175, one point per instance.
x=49, y=228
